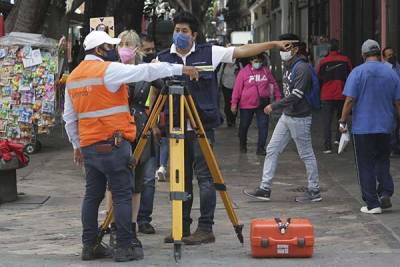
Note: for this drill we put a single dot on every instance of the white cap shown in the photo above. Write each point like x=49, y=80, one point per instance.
x=97, y=38
x=370, y=46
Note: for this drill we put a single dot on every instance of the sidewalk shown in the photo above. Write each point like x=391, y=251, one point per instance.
x=48, y=234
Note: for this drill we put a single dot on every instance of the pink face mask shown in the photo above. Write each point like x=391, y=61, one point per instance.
x=127, y=54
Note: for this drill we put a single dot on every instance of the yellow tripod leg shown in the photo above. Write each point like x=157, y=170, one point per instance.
x=157, y=108
x=212, y=164
x=177, y=170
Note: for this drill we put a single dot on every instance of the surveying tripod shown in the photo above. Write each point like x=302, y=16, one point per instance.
x=176, y=92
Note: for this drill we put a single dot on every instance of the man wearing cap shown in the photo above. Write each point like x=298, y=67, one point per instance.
x=100, y=128
x=372, y=93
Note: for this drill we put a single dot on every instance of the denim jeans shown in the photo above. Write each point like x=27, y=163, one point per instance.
x=146, y=170
x=246, y=116
x=373, y=164
x=298, y=129
x=164, y=151
x=111, y=167
x=195, y=162
x=329, y=109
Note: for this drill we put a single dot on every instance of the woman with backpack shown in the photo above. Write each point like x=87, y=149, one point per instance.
x=254, y=88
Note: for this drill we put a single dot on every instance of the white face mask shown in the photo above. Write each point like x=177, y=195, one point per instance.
x=286, y=56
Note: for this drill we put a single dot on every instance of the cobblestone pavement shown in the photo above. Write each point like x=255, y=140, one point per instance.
x=43, y=227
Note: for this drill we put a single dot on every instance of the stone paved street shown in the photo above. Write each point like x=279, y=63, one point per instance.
x=48, y=234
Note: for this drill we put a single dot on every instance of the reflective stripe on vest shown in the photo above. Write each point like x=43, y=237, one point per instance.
x=84, y=83
x=103, y=112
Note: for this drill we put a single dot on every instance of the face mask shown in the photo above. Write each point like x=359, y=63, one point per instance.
x=286, y=56
x=392, y=60
x=110, y=55
x=149, y=57
x=127, y=55
x=181, y=40
x=257, y=65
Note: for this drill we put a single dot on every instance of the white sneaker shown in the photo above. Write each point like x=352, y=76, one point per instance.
x=377, y=210
x=327, y=151
x=336, y=143
x=161, y=174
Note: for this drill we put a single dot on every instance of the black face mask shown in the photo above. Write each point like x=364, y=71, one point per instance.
x=149, y=57
x=392, y=60
x=110, y=55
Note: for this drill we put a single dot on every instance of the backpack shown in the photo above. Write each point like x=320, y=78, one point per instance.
x=313, y=96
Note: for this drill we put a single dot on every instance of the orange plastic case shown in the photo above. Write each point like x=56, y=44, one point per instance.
x=281, y=238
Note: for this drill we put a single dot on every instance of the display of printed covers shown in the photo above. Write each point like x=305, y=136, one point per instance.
x=27, y=91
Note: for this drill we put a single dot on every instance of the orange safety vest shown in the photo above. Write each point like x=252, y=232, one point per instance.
x=100, y=112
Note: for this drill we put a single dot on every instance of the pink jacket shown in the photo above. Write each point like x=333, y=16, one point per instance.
x=246, y=84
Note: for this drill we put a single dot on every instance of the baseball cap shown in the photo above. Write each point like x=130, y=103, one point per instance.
x=370, y=46
x=96, y=38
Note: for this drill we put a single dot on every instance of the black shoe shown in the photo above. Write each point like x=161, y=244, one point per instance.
x=259, y=193
x=386, y=203
x=243, y=149
x=261, y=152
x=309, y=196
x=168, y=239
x=122, y=254
x=146, y=228
x=113, y=236
x=91, y=253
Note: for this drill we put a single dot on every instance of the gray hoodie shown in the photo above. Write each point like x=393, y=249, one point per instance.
x=295, y=85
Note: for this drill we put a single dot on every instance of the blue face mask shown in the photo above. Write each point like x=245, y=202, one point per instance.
x=181, y=40
x=257, y=65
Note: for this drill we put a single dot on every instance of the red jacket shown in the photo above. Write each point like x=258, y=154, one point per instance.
x=333, y=71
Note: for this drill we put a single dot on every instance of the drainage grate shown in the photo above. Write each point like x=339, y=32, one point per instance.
x=302, y=189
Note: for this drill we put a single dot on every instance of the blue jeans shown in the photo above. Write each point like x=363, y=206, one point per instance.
x=164, y=150
x=298, y=129
x=146, y=170
x=111, y=167
x=373, y=162
x=195, y=162
x=246, y=116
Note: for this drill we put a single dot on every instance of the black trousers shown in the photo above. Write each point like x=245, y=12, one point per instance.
x=230, y=117
x=329, y=109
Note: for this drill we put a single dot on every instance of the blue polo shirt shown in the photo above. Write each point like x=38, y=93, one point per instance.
x=374, y=88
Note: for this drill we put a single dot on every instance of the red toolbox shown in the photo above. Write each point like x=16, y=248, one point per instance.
x=281, y=238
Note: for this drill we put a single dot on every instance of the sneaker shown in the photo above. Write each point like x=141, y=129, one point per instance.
x=168, y=239
x=259, y=193
x=336, y=143
x=261, y=152
x=309, y=196
x=90, y=253
x=386, y=203
x=146, y=228
x=113, y=236
x=199, y=237
x=161, y=174
x=327, y=151
x=376, y=210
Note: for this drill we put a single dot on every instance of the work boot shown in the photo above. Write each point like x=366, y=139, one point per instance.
x=199, y=237
x=146, y=228
x=136, y=244
x=169, y=239
x=122, y=254
x=113, y=235
x=90, y=253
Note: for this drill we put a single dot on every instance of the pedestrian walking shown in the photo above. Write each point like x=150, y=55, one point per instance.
x=96, y=100
x=390, y=58
x=255, y=86
x=372, y=94
x=333, y=71
x=295, y=123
